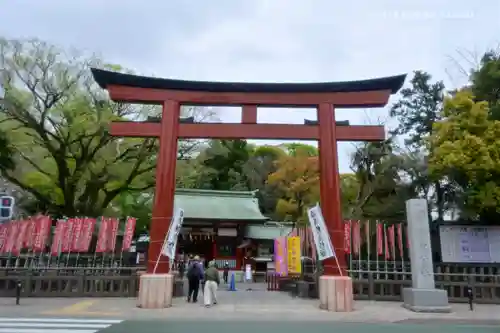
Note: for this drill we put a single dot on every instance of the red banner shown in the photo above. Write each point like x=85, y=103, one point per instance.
x=18, y=244
x=57, y=241
x=129, y=233
x=4, y=231
x=367, y=234
x=87, y=233
x=77, y=234
x=12, y=231
x=380, y=239
x=43, y=228
x=392, y=242
x=104, y=229
x=30, y=233
x=114, y=232
x=400, y=239
x=386, y=244
x=347, y=237
x=67, y=241
x=356, y=238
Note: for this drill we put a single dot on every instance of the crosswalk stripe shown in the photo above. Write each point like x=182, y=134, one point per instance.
x=54, y=325
x=34, y=330
x=61, y=320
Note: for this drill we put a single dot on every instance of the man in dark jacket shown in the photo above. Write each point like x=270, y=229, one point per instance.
x=194, y=275
x=226, y=272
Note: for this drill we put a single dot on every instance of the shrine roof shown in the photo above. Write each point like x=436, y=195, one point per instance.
x=105, y=78
x=219, y=205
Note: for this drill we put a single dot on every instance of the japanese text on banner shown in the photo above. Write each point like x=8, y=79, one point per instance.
x=294, y=264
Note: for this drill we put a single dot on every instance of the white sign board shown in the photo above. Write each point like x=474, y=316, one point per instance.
x=170, y=243
x=322, y=239
x=467, y=244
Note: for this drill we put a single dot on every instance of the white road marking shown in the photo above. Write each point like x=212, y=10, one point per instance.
x=54, y=325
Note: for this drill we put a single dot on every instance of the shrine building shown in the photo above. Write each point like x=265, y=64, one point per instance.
x=226, y=226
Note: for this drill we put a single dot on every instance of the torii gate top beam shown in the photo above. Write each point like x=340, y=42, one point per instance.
x=352, y=94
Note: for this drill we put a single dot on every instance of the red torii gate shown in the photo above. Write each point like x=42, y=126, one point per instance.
x=171, y=94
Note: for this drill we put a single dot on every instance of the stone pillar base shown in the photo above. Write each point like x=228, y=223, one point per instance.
x=426, y=300
x=155, y=291
x=335, y=293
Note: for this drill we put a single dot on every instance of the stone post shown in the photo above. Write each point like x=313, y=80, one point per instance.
x=423, y=296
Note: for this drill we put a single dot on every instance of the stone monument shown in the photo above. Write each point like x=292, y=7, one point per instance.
x=423, y=296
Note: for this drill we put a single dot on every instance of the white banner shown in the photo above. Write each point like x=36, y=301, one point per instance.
x=170, y=243
x=322, y=239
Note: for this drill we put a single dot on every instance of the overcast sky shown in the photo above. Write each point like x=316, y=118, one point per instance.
x=273, y=40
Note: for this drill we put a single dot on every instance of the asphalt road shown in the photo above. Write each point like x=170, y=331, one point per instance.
x=194, y=325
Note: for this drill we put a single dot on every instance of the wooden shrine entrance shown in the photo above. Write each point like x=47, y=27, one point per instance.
x=171, y=94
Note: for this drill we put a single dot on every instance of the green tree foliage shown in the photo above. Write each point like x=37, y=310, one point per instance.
x=417, y=110
x=380, y=191
x=58, y=120
x=466, y=149
x=486, y=83
x=223, y=165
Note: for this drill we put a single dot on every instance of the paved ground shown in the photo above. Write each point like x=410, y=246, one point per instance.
x=251, y=310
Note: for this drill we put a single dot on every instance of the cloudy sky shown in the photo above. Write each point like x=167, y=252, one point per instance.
x=268, y=40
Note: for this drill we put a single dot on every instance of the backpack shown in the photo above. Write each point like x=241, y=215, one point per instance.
x=194, y=271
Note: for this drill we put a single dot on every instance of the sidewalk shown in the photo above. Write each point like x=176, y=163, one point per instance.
x=255, y=305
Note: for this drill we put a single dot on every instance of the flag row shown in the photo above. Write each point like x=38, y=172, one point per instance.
x=388, y=238
x=73, y=235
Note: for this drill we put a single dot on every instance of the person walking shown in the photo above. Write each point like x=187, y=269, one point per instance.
x=212, y=281
x=194, y=275
x=181, y=268
x=226, y=272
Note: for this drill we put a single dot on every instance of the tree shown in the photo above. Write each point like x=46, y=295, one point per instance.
x=58, y=119
x=297, y=177
x=418, y=109
x=466, y=149
x=260, y=165
x=6, y=153
x=486, y=83
x=380, y=191
x=222, y=165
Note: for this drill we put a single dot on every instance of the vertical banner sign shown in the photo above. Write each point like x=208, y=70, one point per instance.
x=380, y=239
x=322, y=239
x=280, y=260
x=77, y=234
x=4, y=228
x=43, y=226
x=294, y=254
x=114, y=222
x=400, y=239
x=18, y=245
x=103, y=235
x=347, y=237
x=68, y=235
x=57, y=241
x=87, y=233
x=11, y=236
x=367, y=234
x=392, y=241
x=386, y=244
x=356, y=238
x=129, y=233
x=30, y=233
x=170, y=243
